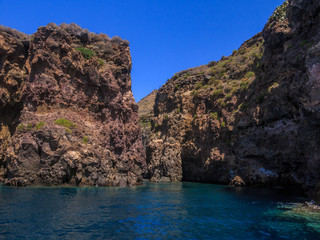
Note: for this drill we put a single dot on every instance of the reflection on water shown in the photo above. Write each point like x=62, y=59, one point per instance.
x=154, y=211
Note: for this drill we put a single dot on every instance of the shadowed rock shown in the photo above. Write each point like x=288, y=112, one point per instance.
x=254, y=114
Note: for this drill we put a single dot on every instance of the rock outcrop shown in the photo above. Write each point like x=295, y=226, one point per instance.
x=67, y=112
x=253, y=116
x=146, y=104
x=145, y=114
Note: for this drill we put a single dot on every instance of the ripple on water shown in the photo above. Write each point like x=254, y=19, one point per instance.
x=154, y=211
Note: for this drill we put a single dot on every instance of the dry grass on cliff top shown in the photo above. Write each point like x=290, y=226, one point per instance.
x=146, y=104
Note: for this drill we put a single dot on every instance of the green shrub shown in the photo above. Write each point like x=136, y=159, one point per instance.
x=303, y=43
x=145, y=122
x=85, y=139
x=194, y=93
x=244, y=85
x=101, y=62
x=223, y=104
x=235, y=83
x=217, y=93
x=178, y=110
x=68, y=130
x=40, y=125
x=30, y=126
x=214, y=115
x=219, y=87
x=214, y=71
x=194, y=116
x=221, y=74
x=198, y=86
x=65, y=123
x=223, y=124
x=250, y=74
x=222, y=63
x=187, y=75
x=228, y=96
x=306, y=43
x=86, y=53
x=215, y=82
x=280, y=13
x=166, y=117
x=21, y=127
x=234, y=90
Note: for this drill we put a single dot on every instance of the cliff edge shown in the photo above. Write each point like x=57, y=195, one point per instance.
x=251, y=118
x=67, y=113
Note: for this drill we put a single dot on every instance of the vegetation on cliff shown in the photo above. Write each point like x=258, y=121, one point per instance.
x=67, y=113
x=249, y=118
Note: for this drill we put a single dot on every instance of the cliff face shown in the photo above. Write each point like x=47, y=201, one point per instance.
x=146, y=104
x=251, y=118
x=145, y=114
x=67, y=113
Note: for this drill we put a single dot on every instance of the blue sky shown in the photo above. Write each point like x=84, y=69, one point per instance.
x=166, y=36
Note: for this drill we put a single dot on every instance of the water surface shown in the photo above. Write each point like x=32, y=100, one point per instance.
x=153, y=211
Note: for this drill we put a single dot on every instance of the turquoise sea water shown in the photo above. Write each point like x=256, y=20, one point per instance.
x=153, y=211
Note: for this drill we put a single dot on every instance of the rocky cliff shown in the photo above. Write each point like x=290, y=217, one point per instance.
x=146, y=104
x=145, y=111
x=67, y=113
x=251, y=118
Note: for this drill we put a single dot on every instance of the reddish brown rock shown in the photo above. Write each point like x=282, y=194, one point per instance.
x=67, y=112
x=237, y=182
x=254, y=114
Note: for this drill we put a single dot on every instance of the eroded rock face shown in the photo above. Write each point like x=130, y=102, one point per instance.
x=253, y=115
x=67, y=112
